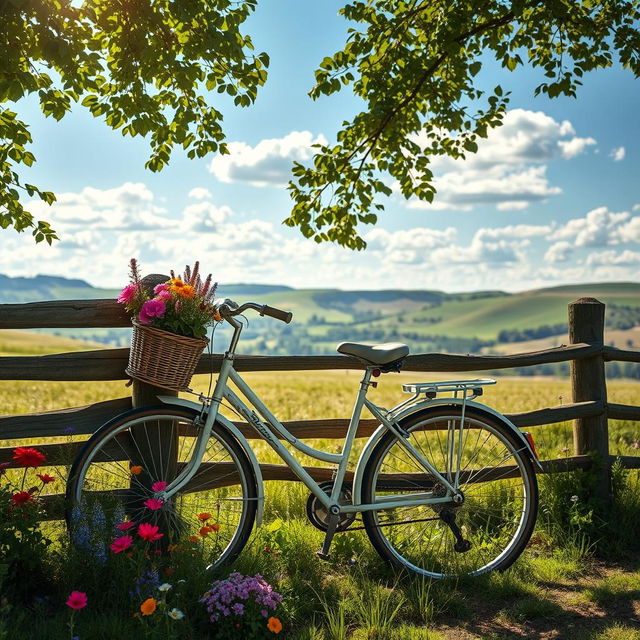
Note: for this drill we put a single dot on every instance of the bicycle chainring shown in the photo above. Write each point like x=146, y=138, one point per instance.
x=319, y=516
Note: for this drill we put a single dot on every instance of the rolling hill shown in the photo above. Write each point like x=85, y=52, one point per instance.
x=428, y=320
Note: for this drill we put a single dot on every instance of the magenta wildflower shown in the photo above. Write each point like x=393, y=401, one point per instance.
x=128, y=294
x=153, y=308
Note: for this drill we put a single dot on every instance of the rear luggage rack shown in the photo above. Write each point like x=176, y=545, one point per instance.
x=432, y=389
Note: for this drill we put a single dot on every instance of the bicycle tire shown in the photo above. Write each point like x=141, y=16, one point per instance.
x=417, y=538
x=103, y=473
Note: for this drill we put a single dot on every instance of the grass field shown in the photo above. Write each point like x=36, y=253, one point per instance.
x=558, y=589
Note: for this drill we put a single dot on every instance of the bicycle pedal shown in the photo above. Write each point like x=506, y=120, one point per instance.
x=322, y=555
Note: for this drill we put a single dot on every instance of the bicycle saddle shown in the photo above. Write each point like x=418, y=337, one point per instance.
x=375, y=353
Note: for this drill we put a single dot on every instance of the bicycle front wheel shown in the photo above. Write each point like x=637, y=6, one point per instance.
x=487, y=530
x=115, y=473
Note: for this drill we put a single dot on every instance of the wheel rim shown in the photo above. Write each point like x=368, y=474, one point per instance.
x=492, y=517
x=109, y=488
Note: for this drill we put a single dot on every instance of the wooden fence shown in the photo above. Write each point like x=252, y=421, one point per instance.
x=587, y=353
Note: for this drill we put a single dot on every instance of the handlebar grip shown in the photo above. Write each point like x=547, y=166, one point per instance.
x=278, y=314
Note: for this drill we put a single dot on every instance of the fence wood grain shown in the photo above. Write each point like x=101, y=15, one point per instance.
x=109, y=364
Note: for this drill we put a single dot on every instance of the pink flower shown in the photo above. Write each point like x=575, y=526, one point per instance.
x=121, y=544
x=128, y=294
x=161, y=485
x=160, y=287
x=636, y=444
x=154, y=308
x=143, y=318
x=165, y=296
x=149, y=532
x=153, y=503
x=77, y=600
x=124, y=526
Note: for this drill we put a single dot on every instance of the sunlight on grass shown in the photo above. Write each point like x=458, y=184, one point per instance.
x=614, y=588
x=617, y=632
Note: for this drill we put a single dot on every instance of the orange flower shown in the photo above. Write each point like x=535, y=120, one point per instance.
x=136, y=470
x=204, y=531
x=274, y=625
x=149, y=606
x=194, y=539
x=204, y=516
x=214, y=527
x=186, y=291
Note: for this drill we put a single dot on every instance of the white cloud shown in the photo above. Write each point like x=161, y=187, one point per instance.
x=517, y=231
x=600, y=227
x=613, y=258
x=559, y=252
x=509, y=168
x=199, y=193
x=617, y=154
x=128, y=207
x=575, y=146
x=205, y=216
x=268, y=163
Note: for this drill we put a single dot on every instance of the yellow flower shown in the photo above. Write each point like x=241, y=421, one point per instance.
x=274, y=625
x=148, y=606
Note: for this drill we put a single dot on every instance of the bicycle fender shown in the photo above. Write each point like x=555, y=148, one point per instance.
x=242, y=441
x=427, y=404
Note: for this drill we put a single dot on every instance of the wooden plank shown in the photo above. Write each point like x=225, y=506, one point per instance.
x=221, y=475
x=83, y=420
x=109, y=364
x=58, y=314
x=552, y=415
x=628, y=462
x=623, y=411
x=620, y=355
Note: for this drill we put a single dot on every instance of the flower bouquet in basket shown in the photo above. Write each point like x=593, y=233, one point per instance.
x=170, y=324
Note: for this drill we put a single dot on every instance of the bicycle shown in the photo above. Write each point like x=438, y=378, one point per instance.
x=445, y=486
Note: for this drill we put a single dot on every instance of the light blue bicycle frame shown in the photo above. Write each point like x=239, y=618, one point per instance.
x=271, y=429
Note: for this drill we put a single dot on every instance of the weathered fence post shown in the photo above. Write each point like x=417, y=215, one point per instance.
x=588, y=381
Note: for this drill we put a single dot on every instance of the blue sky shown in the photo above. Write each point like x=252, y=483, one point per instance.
x=551, y=198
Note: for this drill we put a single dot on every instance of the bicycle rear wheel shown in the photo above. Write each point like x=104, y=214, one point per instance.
x=487, y=531
x=114, y=473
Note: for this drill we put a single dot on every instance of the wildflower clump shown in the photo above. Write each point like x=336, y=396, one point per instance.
x=23, y=544
x=243, y=606
x=182, y=305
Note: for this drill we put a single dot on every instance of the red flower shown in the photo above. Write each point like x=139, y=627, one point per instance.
x=123, y=526
x=21, y=497
x=121, y=544
x=77, y=600
x=46, y=478
x=149, y=532
x=28, y=457
x=153, y=503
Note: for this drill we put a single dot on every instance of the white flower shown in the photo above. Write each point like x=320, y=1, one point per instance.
x=574, y=498
x=164, y=587
x=176, y=614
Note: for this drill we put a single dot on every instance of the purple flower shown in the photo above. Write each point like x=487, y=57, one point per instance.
x=238, y=608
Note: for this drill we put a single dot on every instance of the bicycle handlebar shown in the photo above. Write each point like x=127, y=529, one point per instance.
x=227, y=308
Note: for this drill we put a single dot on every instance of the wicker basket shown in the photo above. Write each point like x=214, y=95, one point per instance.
x=163, y=359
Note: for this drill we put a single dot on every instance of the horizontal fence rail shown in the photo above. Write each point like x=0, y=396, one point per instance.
x=586, y=410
